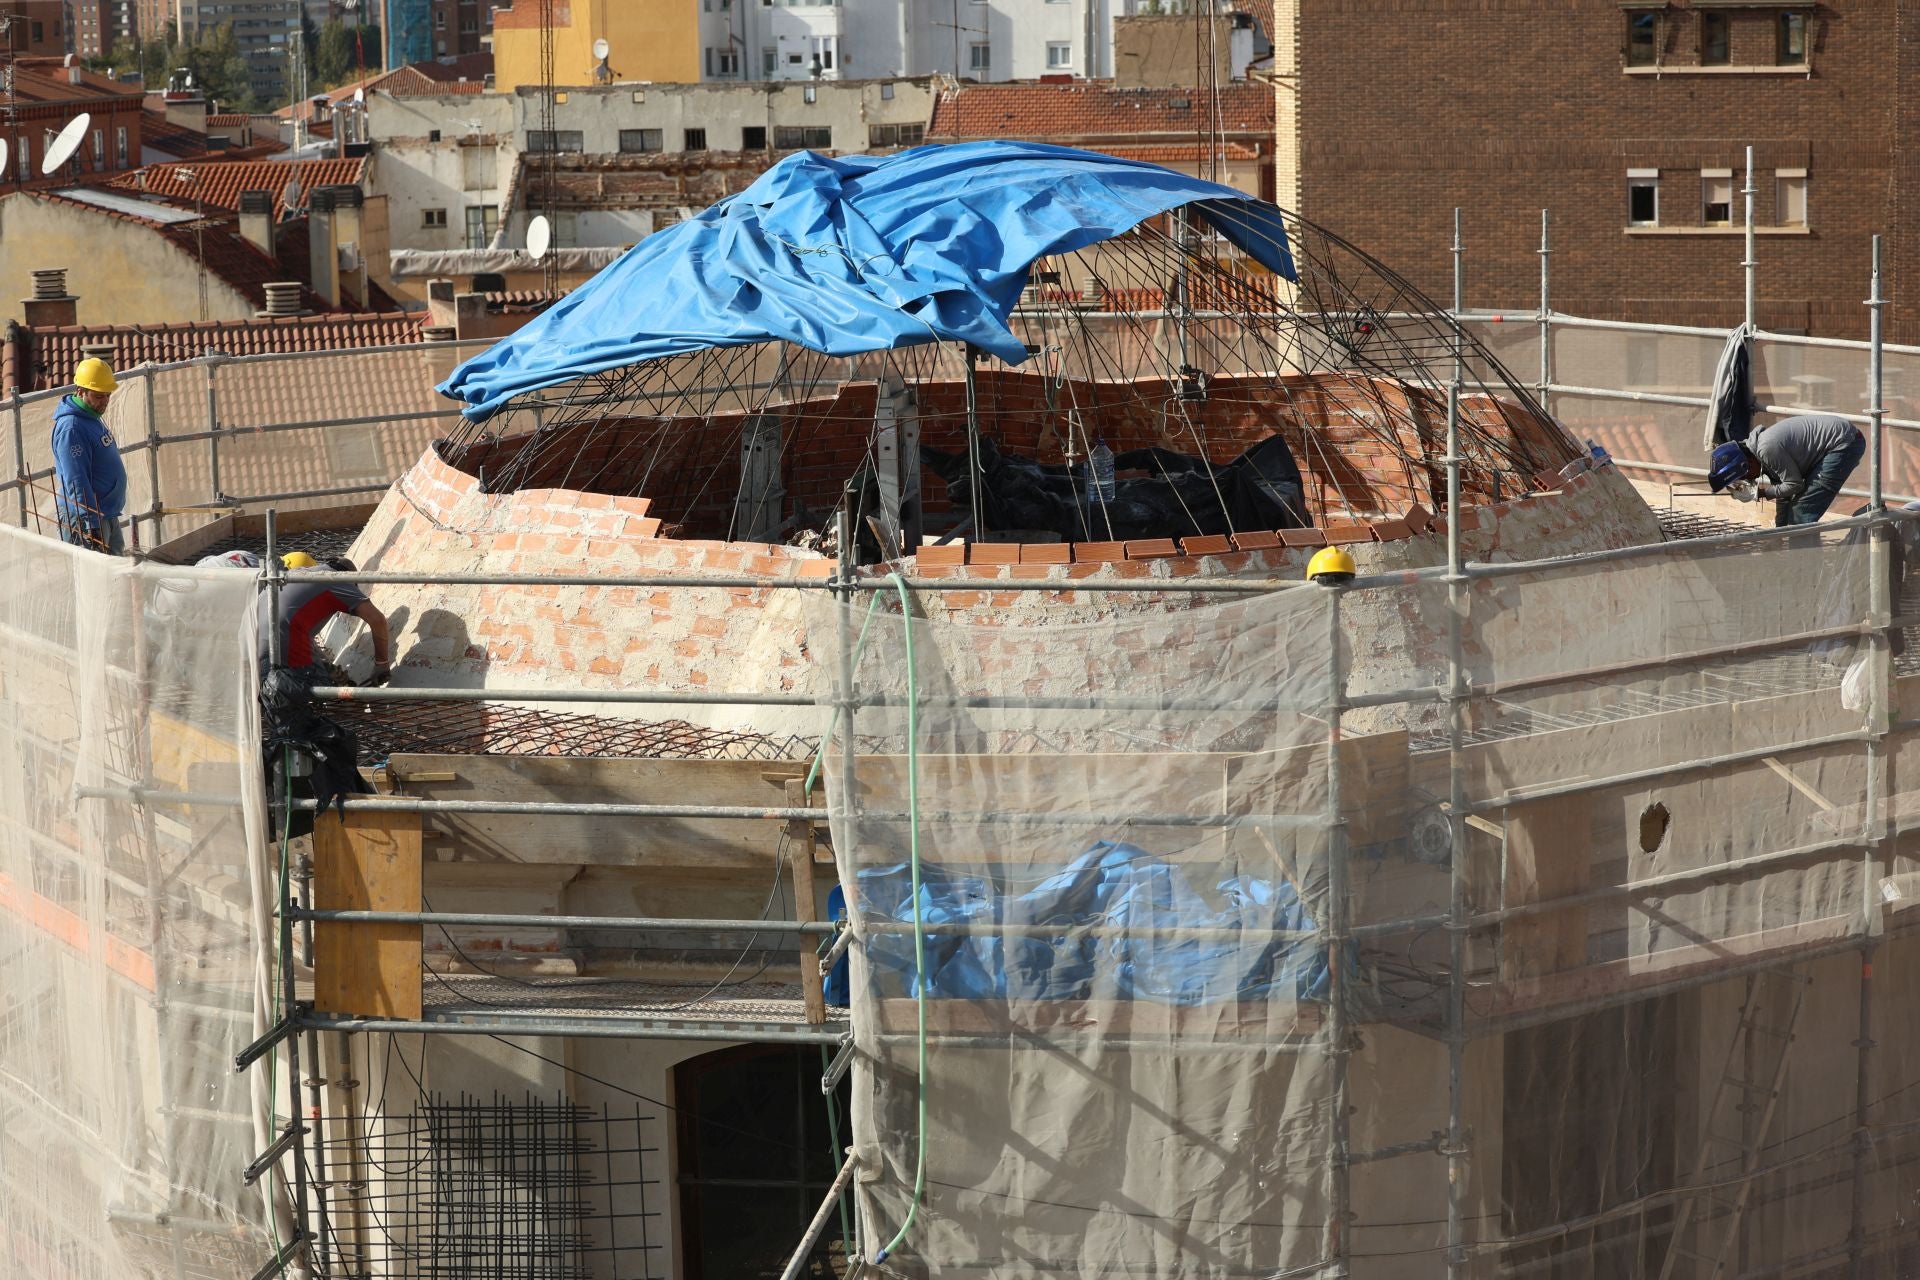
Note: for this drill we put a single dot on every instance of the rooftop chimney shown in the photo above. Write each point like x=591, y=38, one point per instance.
x=283, y=299
x=50, y=304
x=344, y=230
x=323, y=260
x=256, y=220
x=100, y=351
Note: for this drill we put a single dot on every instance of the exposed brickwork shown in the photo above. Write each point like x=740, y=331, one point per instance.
x=1496, y=108
x=1364, y=445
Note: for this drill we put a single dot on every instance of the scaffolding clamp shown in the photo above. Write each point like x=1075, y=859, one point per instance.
x=271, y=1156
x=288, y=1024
x=837, y=1069
x=277, y=1265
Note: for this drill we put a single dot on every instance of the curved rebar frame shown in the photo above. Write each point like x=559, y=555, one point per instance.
x=1164, y=331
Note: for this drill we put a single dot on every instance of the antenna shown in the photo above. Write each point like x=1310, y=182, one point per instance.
x=539, y=237
x=64, y=144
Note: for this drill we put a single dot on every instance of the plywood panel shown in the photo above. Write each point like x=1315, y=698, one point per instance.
x=367, y=862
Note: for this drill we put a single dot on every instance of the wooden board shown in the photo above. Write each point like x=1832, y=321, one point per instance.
x=1256, y=1020
x=1549, y=847
x=368, y=862
x=599, y=840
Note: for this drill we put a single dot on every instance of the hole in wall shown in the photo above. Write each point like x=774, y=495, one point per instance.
x=1653, y=826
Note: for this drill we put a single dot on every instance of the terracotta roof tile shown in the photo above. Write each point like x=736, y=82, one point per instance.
x=1178, y=152
x=220, y=182
x=1093, y=109
x=52, y=353
x=163, y=135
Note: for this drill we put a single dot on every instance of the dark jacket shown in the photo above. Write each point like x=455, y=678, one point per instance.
x=93, y=479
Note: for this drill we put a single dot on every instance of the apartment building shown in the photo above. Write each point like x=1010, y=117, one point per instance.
x=1628, y=122
x=264, y=30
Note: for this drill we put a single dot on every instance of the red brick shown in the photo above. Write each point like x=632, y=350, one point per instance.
x=1302, y=538
x=1046, y=553
x=1337, y=534
x=1099, y=552
x=1259, y=540
x=1548, y=481
x=1418, y=518
x=992, y=553
x=1211, y=544
x=1388, y=530
x=1151, y=548
x=951, y=554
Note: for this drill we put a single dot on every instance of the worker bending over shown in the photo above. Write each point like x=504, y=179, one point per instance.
x=1804, y=461
x=305, y=607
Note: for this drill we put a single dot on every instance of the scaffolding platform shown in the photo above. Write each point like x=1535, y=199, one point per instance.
x=760, y=1011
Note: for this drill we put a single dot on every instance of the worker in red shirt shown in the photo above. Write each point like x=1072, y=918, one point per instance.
x=305, y=607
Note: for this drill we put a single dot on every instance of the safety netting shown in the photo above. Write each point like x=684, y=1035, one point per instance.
x=1277, y=960
x=131, y=956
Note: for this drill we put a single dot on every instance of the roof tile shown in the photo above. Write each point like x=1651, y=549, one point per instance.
x=1093, y=109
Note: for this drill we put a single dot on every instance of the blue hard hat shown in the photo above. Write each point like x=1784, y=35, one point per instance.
x=1729, y=464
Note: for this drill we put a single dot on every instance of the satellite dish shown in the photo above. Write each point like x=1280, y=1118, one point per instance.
x=290, y=195
x=601, y=49
x=64, y=144
x=539, y=236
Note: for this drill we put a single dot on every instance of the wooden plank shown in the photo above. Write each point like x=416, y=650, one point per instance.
x=601, y=841
x=368, y=862
x=801, y=840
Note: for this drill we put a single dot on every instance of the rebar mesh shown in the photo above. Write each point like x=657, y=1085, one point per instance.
x=385, y=729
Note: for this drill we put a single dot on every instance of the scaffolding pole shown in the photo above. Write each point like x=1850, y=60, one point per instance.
x=1546, y=315
x=1880, y=607
x=1455, y=1147
x=1749, y=264
x=1339, y=1038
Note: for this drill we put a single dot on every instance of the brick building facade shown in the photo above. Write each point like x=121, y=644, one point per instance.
x=1629, y=122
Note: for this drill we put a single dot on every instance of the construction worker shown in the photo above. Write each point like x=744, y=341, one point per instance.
x=305, y=607
x=1804, y=461
x=86, y=463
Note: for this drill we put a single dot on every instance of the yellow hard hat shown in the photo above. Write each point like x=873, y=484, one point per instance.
x=95, y=374
x=1330, y=566
x=298, y=560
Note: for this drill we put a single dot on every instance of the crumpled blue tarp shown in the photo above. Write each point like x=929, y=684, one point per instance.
x=1112, y=885
x=856, y=254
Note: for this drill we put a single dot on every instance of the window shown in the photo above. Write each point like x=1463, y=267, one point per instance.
x=637, y=140
x=722, y=62
x=797, y=137
x=1790, y=197
x=99, y=148
x=566, y=231
x=439, y=20
x=1716, y=197
x=753, y=138
x=560, y=140
x=120, y=144
x=25, y=150
x=1643, y=39
x=886, y=93
x=39, y=31
x=980, y=56
x=1643, y=197
x=769, y=62
x=1790, y=40
x=1059, y=54
x=694, y=140
x=895, y=135
x=1714, y=43
x=482, y=221
x=811, y=94
x=433, y=219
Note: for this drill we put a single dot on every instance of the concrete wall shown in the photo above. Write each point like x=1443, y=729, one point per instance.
x=650, y=40
x=123, y=273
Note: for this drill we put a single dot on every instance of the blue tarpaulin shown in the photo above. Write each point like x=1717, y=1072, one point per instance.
x=1104, y=902
x=857, y=254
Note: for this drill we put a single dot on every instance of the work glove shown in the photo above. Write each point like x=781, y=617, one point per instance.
x=1743, y=491
x=382, y=673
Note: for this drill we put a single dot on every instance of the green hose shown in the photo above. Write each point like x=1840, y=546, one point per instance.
x=919, y=935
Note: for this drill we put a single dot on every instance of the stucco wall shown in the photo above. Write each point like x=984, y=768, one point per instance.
x=122, y=272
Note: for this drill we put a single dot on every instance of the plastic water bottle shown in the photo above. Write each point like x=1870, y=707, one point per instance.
x=1600, y=456
x=1101, y=486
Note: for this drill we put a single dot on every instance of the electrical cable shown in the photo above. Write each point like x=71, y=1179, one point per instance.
x=919, y=931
